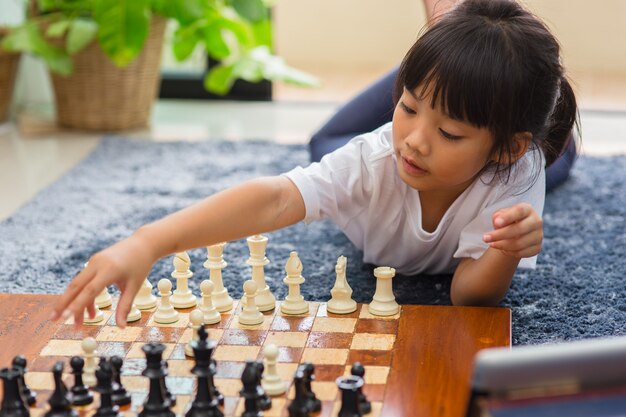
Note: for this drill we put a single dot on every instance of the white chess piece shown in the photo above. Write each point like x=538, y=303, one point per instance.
x=257, y=244
x=272, y=383
x=104, y=299
x=250, y=314
x=145, y=300
x=182, y=297
x=134, y=314
x=90, y=354
x=215, y=263
x=165, y=312
x=384, y=302
x=294, y=302
x=341, y=301
x=211, y=315
x=195, y=321
x=97, y=318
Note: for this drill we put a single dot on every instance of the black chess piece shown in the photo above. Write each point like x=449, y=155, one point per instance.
x=59, y=401
x=80, y=394
x=265, y=400
x=205, y=404
x=314, y=404
x=13, y=402
x=157, y=404
x=359, y=370
x=104, y=376
x=29, y=396
x=299, y=407
x=120, y=395
x=250, y=391
x=349, y=386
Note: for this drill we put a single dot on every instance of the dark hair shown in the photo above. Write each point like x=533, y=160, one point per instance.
x=493, y=64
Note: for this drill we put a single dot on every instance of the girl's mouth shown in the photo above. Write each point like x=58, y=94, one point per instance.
x=411, y=168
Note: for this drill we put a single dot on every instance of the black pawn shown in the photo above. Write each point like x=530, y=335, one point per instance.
x=250, y=391
x=157, y=404
x=104, y=376
x=80, y=392
x=120, y=395
x=314, y=404
x=13, y=404
x=29, y=396
x=205, y=404
x=266, y=401
x=299, y=407
x=349, y=387
x=359, y=370
x=59, y=401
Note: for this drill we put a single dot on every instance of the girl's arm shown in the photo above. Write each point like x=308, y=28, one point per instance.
x=517, y=234
x=256, y=206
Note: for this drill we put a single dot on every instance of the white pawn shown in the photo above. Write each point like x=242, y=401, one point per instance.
x=182, y=297
x=294, y=302
x=165, y=313
x=195, y=321
x=104, y=299
x=211, y=315
x=341, y=301
x=272, y=383
x=250, y=314
x=90, y=354
x=145, y=300
x=384, y=302
x=97, y=318
x=134, y=314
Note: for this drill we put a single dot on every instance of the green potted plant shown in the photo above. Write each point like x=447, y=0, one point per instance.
x=96, y=48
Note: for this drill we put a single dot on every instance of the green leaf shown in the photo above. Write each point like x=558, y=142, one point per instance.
x=220, y=79
x=252, y=10
x=262, y=33
x=185, y=41
x=215, y=44
x=240, y=28
x=124, y=26
x=82, y=32
x=58, y=29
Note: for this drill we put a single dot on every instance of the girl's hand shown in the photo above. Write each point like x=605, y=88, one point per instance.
x=125, y=264
x=518, y=231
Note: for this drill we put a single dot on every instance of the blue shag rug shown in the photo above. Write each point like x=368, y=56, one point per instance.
x=577, y=291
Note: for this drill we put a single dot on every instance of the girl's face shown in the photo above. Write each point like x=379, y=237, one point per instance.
x=435, y=152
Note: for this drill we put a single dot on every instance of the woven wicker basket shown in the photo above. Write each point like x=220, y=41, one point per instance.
x=100, y=96
x=8, y=70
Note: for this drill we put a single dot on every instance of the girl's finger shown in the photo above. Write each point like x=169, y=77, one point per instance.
x=510, y=215
x=518, y=229
x=74, y=288
x=516, y=245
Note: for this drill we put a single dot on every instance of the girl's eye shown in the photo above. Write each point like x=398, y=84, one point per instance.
x=406, y=108
x=449, y=136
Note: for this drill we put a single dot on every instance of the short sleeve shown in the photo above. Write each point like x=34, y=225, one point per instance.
x=525, y=189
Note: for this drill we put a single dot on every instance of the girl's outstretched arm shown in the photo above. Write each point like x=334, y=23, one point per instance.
x=256, y=206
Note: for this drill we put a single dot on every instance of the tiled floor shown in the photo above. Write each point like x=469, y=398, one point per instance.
x=33, y=153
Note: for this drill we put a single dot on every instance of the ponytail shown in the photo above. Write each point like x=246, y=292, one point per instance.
x=564, y=117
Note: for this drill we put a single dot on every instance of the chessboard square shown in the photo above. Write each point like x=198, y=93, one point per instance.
x=180, y=385
x=178, y=367
x=109, y=349
x=183, y=321
x=377, y=326
x=329, y=340
x=292, y=324
x=44, y=363
x=37, y=412
x=325, y=356
x=236, y=353
x=228, y=386
x=229, y=369
x=365, y=314
x=288, y=354
x=136, y=383
x=106, y=315
x=135, y=351
x=334, y=324
x=286, y=370
x=322, y=311
x=62, y=348
x=160, y=334
x=66, y=331
x=287, y=339
x=182, y=402
x=324, y=390
x=133, y=367
x=373, y=374
x=231, y=404
x=186, y=336
x=267, y=322
x=39, y=380
x=278, y=405
x=374, y=392
x=179, y=352
x=243, y=337
x=371, y=341
x=328, y=372
x=115, y=334
x=371, y=357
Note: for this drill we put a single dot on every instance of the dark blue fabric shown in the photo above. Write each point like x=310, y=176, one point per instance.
x=373, y=107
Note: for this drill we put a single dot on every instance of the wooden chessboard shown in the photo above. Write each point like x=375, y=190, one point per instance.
x=418, y=363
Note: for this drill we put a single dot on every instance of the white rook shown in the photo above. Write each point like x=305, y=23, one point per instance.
x=384, y=302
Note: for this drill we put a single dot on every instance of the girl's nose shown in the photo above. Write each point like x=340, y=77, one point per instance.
x=417, y=141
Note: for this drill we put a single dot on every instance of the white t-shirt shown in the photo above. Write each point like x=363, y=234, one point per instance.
x=358, y=188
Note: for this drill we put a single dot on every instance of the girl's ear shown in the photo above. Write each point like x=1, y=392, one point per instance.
x=519, y=145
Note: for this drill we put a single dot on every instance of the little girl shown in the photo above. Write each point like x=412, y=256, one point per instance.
x=454, y=184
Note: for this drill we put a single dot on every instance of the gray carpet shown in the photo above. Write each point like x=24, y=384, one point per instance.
x=578, y=290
